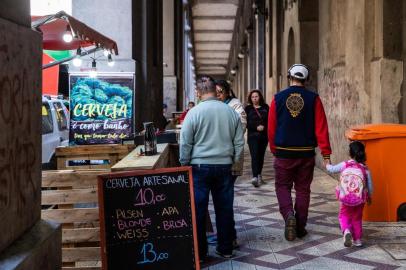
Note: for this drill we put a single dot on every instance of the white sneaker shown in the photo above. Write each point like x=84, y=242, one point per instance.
x=357, y=243
x=347, y=238
x=260, y=180
x=255, y=182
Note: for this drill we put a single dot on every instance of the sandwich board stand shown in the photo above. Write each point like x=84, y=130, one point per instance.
x=147, y=220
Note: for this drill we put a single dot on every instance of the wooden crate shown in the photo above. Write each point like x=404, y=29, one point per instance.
x=111, y=152
x=67, y=191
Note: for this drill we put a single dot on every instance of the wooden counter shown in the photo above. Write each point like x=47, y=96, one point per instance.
x=134, y=161
x=111, y=152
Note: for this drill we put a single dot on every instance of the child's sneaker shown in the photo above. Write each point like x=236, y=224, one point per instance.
x=357, y=243
x=260, y=179
x=347, y=238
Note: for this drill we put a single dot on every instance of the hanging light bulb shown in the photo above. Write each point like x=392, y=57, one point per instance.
x=67, y=36
x=106, y=52
x=93, y=74
x=77, y=61
x=110, y=61
x=93, y=71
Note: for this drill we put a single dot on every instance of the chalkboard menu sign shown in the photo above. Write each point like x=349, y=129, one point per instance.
x=147, y=220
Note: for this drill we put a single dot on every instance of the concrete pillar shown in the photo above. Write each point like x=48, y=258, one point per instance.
x=16, y=11
x=250, y=62
x=276, y=13
x=387, y=71
x=147, y=52
x=168, y=36
x=179, y=53
x=39, y=243
x=168, y=21
x=20, y=139
x=309, y=38
x=241, y=78
x=342, y=66
x=291, y=46
x=402, y=103
x=260, y=55
x=253, y=59
x=246, y=80
x=393, y=47
x=386, y=80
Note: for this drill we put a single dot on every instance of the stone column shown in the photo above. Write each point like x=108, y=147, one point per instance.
x=179, y=52
x=168, y=21
x=260, y=55
x=147, y=52
x=386, y=81
x=39, y=242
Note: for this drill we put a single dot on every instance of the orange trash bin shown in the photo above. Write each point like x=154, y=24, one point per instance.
x=385, y=146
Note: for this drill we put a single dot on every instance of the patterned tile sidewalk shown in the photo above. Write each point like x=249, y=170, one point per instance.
x=262, y=245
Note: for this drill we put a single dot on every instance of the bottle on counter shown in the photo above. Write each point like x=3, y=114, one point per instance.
x=150, y=140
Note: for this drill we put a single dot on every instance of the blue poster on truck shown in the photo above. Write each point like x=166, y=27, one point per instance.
x=101, y=108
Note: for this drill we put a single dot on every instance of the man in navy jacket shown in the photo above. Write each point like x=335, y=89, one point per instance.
x=297, y=124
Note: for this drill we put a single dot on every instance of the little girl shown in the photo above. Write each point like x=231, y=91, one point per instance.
x=353, y=190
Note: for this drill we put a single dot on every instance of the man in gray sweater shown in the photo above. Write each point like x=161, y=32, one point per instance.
x=211, y=140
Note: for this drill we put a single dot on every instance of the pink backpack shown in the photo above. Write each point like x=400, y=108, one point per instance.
x=351, y=189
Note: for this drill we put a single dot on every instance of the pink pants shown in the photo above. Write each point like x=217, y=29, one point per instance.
x=350, y=218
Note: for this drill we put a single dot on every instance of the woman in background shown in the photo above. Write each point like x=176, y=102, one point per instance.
x=257, y=122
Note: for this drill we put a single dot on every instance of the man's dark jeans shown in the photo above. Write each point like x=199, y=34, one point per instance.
x=216, y=179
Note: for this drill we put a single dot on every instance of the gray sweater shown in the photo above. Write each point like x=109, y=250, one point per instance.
x=211, y=134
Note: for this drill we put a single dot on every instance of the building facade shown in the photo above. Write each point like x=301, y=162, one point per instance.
x=354, y=49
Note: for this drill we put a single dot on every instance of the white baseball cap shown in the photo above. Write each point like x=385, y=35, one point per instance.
x=298, y=71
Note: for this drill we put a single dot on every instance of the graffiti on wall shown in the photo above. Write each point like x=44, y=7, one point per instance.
x=20, y=136
x=343, y=105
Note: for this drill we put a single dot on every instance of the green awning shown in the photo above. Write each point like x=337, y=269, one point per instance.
x=58, y=55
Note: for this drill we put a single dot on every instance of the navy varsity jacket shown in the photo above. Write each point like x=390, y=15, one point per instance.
x=297, y=124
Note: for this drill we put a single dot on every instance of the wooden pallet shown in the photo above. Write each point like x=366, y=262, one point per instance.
x=64, y=191
x=111, y=152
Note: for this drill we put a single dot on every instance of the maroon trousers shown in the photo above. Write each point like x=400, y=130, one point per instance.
x=296, y=173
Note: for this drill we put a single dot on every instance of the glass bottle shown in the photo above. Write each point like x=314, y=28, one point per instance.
x=150, y=141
